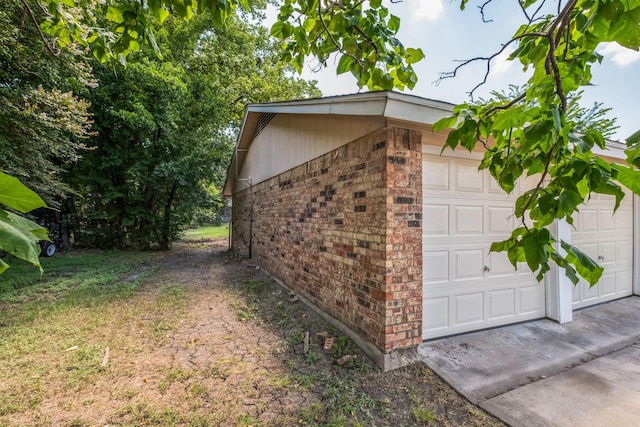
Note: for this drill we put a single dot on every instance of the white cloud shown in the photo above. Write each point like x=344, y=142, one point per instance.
x=430, y=10
x=619, y=55
x=501, y=63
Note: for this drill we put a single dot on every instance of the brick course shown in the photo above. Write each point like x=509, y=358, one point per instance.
x=345, y=231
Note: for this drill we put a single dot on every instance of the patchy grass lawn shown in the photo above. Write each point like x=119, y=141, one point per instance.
x=190, y=337
x=206, y=232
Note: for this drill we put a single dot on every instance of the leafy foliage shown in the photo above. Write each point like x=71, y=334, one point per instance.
x=537, y=133
x=362, y=34
x=164, y=130
x=43, y=122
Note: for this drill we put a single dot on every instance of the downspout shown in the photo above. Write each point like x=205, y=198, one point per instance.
x=251, y=228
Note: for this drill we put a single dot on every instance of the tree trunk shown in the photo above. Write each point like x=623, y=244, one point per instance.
x=165, y=233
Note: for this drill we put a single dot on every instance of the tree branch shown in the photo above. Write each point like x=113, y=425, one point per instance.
x=37, y=25
x=335, y=43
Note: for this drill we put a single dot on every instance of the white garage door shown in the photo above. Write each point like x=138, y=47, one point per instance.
x=465, y=287
x=608, y=240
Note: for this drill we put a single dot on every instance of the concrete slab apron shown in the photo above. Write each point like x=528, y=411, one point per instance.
x=484, y=364
x=603, y=392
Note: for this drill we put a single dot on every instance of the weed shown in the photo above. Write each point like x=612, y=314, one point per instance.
x=281, y=383
x=172, y=297
x=256, y=286
x=77, y=422
x=342, y=346
x=81, y=363
x=173, y=375
x=423, y=415
x=197, y=389
x=312, y=357
x=306, y=380
x=246, y=420
x=312, y=414
x=341, y=396
x=283, y=323
x=246, y=312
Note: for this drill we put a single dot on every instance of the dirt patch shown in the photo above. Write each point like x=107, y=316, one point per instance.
x=222, y=344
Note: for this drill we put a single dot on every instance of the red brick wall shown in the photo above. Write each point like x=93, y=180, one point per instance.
x=345, y=231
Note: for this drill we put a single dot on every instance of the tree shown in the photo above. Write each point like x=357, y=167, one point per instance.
x=43, y=122
x=162, y=129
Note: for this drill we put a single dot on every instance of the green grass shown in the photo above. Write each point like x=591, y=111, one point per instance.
x=55, y=327
x=206, y=232
x=73, y=276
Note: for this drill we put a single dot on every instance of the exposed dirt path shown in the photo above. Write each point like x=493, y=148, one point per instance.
x=207, y=340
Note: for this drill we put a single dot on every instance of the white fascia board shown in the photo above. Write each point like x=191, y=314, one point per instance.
x=387, y=104
x=423, y=112
x=613, y=149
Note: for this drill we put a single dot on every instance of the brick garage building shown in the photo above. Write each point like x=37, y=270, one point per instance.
x=348, y=201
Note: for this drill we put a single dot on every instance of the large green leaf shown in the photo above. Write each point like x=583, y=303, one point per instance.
x=19, y=237
x=16, y=195
x=586, y=267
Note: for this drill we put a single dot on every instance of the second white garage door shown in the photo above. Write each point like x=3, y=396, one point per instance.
x=465, y=287
x=608, y=239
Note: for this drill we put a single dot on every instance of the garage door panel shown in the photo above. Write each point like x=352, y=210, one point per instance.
x=607, y=285
x=587, y=220
x=607, y=220
x=436, y=174
x=532, y=300
x=468, y=309
x=624, y=250
x=436, y=220
x=502, y=303
x=435, y=266
x=607, y=254
x=468, y=264
x=498, y=265
x=501, y=220
x=624, y=284
x=468, y=220
x=467, y=178
x=435, y=314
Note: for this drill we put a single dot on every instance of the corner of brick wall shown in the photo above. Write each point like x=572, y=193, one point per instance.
x=345, y=231
x=404, y=241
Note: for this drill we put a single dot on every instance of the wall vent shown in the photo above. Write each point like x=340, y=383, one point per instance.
x=263, y=121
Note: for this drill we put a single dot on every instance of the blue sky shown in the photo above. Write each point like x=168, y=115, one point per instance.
x=447, y=34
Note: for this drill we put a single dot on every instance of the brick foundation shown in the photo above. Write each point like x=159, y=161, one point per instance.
x=345, y=231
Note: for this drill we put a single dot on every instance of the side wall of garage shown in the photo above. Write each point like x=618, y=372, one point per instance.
x=345, y=231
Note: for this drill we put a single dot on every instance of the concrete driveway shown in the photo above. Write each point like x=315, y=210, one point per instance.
x=540, y=373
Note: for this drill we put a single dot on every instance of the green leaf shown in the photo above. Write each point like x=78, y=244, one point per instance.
x=115, y=14
x=584, y=265
x=394, y=24
x=19, y=237
x=628, y=177
x=414, y=55
x=568, y=201
x=634, y=138
x=446, y=123
x=18, y=196
x=531, y=251
x=344, y=65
